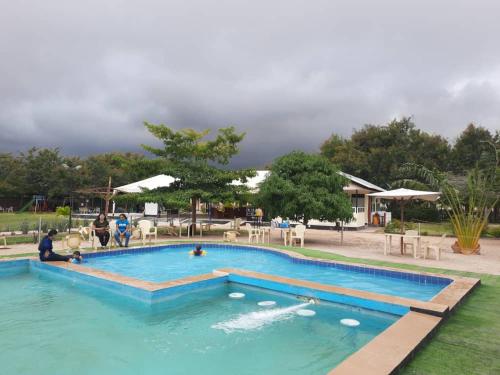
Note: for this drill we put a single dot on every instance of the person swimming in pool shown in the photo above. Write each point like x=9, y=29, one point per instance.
x=197, y=252
x=76, y=257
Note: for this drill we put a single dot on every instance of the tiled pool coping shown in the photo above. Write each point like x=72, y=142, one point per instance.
x=420, y=277
x=385, y=354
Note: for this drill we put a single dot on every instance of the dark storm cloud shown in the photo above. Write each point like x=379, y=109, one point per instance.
x=84, y=75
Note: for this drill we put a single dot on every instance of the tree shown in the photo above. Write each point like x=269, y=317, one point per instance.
x=12, y=176
x=376, y=153
x=303, y=187
x=469, y=147
x=195, y=164
x=469, y=205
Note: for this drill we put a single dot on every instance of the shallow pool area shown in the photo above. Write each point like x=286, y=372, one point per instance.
x=174, y=262
x=52, y=326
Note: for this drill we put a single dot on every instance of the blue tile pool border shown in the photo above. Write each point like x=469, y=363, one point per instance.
x=122, y=289
x=14, y=267
x=421, y=278
x=320, y=295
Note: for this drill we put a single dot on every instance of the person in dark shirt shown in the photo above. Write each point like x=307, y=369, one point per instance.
x=45, y=248
x=101, y=228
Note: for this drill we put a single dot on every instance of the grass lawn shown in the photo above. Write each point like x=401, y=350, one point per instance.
x=468, y=342
x=437, y=229
x=13, y=221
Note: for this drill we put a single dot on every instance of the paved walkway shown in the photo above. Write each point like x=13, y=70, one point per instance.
x=356, y=244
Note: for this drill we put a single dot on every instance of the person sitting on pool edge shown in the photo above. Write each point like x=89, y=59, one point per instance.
x=77, y=257
x=122, y=230
x=197, y=252
x=45, y=248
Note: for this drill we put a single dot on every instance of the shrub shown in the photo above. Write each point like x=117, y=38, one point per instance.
x=63, y=211
x=86, y=222
x=492, y=232
x=25, y=227
x=394, y=226
x=44, y=227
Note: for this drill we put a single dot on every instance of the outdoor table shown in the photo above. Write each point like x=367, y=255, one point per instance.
x=286, y=233
x=263, y=232
x=388, y=243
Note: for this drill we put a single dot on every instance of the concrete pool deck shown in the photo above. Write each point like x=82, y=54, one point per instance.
x=363, y=244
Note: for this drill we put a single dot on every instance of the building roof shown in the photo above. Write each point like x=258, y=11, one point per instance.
x=151, y=183
x=361, y=182
x=407, y=194
x=252, y=183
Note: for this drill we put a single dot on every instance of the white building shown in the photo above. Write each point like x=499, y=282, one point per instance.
x=366, y=210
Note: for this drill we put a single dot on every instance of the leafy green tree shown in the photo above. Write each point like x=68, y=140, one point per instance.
x=45, y=173
x=469, y=147
x=196, y=164
x=376, y=153
x=303, y=187
x=12, y=176
x=123, y=168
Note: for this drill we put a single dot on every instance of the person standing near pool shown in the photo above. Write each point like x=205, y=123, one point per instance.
x=122, y=230
x=259, y=214
x=45, y=248
x=101, y=228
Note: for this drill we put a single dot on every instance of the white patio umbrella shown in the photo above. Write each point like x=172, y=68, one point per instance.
x=404, y=195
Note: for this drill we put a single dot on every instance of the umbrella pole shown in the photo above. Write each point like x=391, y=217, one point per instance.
x=402, y=223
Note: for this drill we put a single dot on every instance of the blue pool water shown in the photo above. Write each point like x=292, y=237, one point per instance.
x=174, y=262
x=51, y=326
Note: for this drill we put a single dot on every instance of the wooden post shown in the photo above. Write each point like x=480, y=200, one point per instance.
x=402, y=231
x=342, y=233
x=107, y=198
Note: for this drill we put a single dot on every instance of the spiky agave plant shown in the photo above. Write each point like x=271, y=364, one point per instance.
x=468, y=208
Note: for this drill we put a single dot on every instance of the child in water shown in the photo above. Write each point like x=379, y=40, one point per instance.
x=198, y=251
x=76, y=257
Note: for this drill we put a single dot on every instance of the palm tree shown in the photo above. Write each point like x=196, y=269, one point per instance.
x=468, y=206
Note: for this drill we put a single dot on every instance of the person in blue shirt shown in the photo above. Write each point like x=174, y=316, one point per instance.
x=122, y=230
x=45, y=248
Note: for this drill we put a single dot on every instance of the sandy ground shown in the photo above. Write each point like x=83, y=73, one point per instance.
x=359, y=244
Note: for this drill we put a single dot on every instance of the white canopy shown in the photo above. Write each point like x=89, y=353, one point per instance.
x=407, y=194
x=155, y=182
x=253, y=182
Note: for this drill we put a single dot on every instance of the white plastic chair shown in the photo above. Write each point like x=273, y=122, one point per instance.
x=298, y=234
x=145, y=226
x=71, y=242
x=436, y=248
x=112, y=231
x=409, y=241
x=230, y=236
x=252, y=233
x=236, y=224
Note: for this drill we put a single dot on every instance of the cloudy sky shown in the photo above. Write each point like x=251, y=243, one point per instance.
x=84, y=75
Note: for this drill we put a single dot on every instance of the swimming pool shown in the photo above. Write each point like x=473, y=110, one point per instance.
x=53, y=327
x=173, y=262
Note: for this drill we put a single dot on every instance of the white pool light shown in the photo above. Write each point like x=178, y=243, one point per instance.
x=266, y=303
x=236, y=295
x=306, y=312
x=350, y=322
